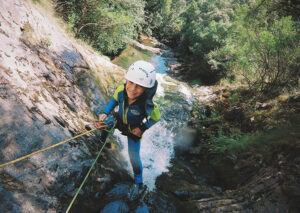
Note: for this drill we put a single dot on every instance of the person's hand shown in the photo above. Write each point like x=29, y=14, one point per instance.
x=137, y=132
x=98, y=124
x=102, y=117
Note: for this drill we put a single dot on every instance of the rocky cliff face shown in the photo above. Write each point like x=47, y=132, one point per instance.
x=50, y=84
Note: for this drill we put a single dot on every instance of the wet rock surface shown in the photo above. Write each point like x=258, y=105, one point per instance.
x=117, y=200
x=42, y=103
x=195, y=184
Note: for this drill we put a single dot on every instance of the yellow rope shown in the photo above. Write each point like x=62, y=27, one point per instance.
x=63, y=142
x=91, y=168
x=45, y=149
x=85, y=179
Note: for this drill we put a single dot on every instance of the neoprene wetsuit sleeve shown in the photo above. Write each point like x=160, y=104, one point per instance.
x=112, y=103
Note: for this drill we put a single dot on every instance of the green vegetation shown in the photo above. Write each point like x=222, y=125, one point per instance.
x=253, y=42
x=249, y=42
x=256, y=126
x=234, y=98
x=262, y=47
x=164, y=18
x=261, y=142
x=105, y=24
x=207, y=24
x=252, y=45
x=244, y=42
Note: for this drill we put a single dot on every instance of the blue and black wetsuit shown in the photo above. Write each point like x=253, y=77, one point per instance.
x=143, y=113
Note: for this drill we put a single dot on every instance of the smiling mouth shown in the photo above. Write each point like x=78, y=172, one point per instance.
x=131, y=93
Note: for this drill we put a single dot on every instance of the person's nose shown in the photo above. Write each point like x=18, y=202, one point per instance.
x=133, y=87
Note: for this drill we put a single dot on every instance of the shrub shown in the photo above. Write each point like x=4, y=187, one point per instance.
x=105, y=24
x=263, y=48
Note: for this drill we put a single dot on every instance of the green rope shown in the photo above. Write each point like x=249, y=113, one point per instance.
x=58, y=144
x=87, y=175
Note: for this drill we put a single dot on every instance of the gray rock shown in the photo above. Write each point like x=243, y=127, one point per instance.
x=191, y=195
x=120, y=190
x=61, y=121
x=262, y=106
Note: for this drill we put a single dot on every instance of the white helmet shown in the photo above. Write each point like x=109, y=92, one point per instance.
x=141, y=73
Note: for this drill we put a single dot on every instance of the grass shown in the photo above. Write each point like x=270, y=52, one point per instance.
x=222, y=143
x=263, y=142
x=234, y=97
x=194, y=82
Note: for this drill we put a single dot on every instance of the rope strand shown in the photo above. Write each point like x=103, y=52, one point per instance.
x=103, y=128
x=47, y=148
x=91, y=168
x=85, y=179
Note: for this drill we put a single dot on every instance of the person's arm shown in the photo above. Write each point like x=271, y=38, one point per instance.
x=113, y=102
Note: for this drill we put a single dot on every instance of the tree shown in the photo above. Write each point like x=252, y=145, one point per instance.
x=164, y=18
x=106, y=24
x=205, y=30
x=263, y=48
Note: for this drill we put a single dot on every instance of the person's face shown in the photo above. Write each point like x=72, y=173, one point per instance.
x=134, y=90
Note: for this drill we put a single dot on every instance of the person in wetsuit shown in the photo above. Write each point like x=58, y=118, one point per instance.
x=136, y=112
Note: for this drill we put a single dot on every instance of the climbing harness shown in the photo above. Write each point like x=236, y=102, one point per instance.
x=50, y=147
